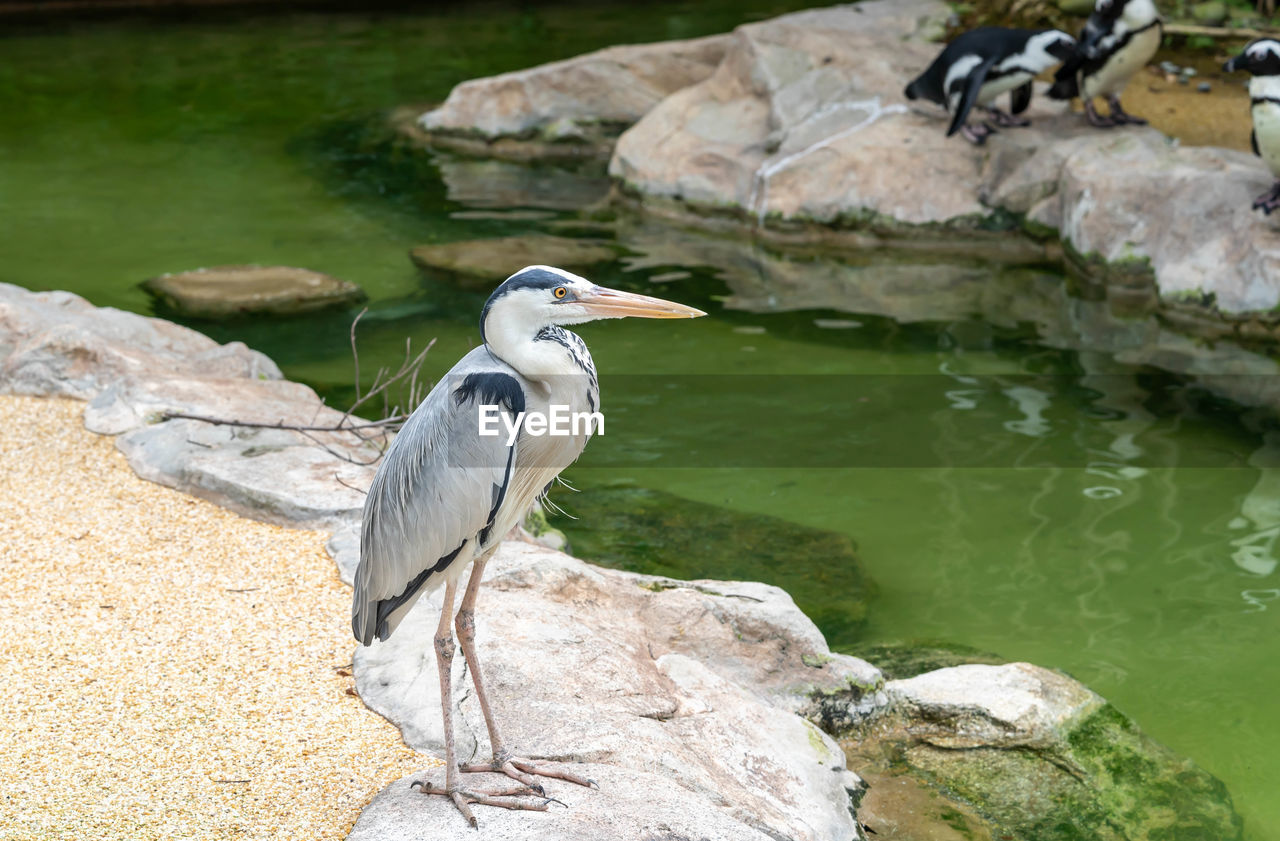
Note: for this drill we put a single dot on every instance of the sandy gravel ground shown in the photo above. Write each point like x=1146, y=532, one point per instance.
x=169, y=669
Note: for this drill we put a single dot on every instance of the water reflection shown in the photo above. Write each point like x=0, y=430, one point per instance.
x=1254, y=552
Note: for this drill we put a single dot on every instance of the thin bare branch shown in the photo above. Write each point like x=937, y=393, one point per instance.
x=372, y=434
x=355, y=354
x=292, y=427
x=347, y=484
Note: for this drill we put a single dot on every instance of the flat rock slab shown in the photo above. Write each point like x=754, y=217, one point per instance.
x=484, y=263
x=229, y=291
x=697, y=682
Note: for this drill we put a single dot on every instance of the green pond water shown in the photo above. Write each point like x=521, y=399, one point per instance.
x=1002, y=494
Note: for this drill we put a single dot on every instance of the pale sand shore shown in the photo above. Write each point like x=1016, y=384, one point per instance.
x=170, y=669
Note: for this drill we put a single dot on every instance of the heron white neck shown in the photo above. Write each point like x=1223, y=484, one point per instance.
x=512, y=337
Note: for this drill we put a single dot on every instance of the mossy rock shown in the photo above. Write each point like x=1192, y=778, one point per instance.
x=1109, y=782
x=902, y=660
x=662, y=534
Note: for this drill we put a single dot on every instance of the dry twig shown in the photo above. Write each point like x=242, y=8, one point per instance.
x=402, y=385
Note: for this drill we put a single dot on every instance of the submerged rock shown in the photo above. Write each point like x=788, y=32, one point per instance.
x=483, y=263
x=638, y=528
x=228, y=291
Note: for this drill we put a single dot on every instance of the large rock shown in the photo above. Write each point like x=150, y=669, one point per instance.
x=795, y=123
x=804, y=124
x=1184, y=211
x=136, y=371
x=572, y=107
x=699, y=682
x=229, y=291
x=59, y=343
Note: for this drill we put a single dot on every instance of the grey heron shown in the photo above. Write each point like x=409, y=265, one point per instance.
x=445, y=495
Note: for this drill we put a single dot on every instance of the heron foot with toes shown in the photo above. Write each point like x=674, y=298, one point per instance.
x=524, y=771
x=504, y=799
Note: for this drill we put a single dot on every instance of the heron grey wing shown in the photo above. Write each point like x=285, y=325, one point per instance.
x=439, y=488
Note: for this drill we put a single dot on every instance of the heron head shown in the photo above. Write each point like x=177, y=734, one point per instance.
x=540, y=296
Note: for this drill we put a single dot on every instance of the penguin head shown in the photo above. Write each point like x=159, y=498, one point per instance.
x=1047, y=48
x=1260, y=57
x=1125, y=15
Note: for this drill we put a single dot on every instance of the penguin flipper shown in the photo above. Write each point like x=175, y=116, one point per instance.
x=1066, y=82
x=972, y=84
x=1253, y=141
x=1020, y=99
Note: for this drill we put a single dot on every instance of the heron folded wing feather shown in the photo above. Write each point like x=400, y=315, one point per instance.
x=440, y=485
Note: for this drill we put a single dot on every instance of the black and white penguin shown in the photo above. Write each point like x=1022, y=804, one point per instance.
x=1118, y=40
x=982, y=64
x=1262, y=59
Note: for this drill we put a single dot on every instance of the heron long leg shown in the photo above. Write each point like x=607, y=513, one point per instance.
x=503, y=761
x=460, y=796
x=466, y=624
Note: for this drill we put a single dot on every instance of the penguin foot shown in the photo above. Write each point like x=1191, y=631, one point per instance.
x=977, y=135
x=1006, y=120
x=1269, y=200
x=1122, y=117
x=1097, y=120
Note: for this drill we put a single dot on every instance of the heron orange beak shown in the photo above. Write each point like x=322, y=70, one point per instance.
x=611, y=303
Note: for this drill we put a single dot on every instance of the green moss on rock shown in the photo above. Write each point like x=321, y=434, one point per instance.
x=1108, y=782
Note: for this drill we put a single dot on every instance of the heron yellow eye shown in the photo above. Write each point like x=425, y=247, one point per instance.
x=560, y=292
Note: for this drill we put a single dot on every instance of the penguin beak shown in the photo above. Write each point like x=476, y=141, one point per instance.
x=1063, y=50
x=603, y=302
x=1233, y=65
